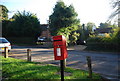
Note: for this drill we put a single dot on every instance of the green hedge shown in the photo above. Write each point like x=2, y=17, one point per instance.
x=103, y=44
x=22, y=40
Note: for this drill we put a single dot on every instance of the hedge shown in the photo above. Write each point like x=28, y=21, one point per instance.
x=103, y=43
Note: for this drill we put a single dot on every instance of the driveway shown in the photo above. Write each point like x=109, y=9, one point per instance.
x=104, y=63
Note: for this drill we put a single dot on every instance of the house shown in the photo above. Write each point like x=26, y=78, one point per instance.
x=103, y=31
x=45, y=34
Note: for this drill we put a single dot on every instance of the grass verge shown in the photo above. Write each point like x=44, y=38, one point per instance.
x=16, y=69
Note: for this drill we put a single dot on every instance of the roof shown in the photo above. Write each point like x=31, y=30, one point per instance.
x=103, y=30
x=44, y=26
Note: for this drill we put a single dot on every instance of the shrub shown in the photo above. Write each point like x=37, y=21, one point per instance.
x=22, y=40
x=105, y=43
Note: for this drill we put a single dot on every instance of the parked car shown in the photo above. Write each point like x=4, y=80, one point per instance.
x=42, y=39
x=4, y=43
x=81, y=42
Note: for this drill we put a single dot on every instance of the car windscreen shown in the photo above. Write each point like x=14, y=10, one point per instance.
x=3, y=41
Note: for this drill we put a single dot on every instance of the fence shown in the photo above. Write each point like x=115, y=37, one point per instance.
x=6, y=53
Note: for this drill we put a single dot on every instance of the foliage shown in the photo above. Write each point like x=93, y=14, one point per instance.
x=62, y=17
x=23, y=41
x=90, y=26
x=110, y=43
x=23, y=24
x=71, y=36
x=116, y=11
x=63, y=20
x=3, y=19
x=65, y=32
x=107, y=25
x=5, y=25
x=116, y=36
x=16, y=69
x=81, y=31
x=104, y=25
x=74, y=37
x=4, y=12
x=85, y=31
x=116, y=6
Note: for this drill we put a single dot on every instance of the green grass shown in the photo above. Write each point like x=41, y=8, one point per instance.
x=21, y=69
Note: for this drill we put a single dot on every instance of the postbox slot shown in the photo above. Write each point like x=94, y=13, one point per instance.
x=58, y=45
x=57, y=40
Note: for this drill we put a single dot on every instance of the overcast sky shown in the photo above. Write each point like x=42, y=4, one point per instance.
x=96, y=11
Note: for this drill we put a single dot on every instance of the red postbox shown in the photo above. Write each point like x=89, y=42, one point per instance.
x=60, y=50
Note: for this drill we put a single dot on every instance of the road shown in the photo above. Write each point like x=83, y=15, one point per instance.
x=104, y=63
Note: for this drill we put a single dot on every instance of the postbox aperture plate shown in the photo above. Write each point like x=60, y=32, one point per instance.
x=58, y=52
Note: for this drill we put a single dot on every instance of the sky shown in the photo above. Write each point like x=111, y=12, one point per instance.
x=95, y=11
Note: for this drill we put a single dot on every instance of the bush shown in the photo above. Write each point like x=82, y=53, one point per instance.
x=116, y=36
x=22, y=24
x=103, y=43
x=22, y=40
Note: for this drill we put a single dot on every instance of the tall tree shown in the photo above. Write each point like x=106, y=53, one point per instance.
x=62, y=17
x=105, y=25
x=3, y=12
x=4, y=19
x=63, y=21
x=116, y=12
x=116, y=6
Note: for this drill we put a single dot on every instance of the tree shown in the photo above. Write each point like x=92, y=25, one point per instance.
x=107, y=25
x=24, y=24
x=104, y=25
x=89, y=29
x=74, y=37
x=62, y=16
x=4, y=19
x=3, y=12
x=63, y=20
x=116, y=7
x=82, y=33
x=85, y=31
x=90, y=26
x=116, y=35
x=5, y=25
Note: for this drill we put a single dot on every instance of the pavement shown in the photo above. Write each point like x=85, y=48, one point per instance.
x=104, y=63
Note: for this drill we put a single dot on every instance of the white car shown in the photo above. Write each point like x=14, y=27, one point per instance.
x=41, y=39
x=4, y=43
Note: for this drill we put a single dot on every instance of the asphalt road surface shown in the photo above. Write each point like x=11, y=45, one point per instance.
x=104, y=63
